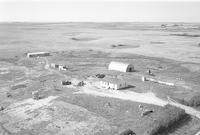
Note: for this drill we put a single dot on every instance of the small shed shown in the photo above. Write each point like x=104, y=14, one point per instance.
x=122, y=67
x=112, y=83
x=62, y=67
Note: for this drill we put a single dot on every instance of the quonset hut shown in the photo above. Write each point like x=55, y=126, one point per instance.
x=122, y=67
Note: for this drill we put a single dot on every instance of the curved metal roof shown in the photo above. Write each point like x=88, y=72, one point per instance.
x=119, y=66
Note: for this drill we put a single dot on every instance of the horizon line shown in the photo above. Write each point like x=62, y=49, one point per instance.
x=98, y=22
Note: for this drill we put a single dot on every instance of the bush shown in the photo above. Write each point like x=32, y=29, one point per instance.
x=193, y=101
x=164, y=120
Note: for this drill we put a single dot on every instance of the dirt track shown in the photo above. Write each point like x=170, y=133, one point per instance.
x=148, y=98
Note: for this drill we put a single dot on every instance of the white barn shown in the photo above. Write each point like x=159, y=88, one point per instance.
x=122, y=67
x=113, y=83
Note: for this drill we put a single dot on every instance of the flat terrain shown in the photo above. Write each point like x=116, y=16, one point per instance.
x=170, y=51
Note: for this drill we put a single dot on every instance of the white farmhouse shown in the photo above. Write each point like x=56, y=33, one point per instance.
x=112, y=83
x=122, y=67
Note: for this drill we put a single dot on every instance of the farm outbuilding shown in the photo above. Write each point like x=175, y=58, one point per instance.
x=112, y=83
x=37, y=54
x=122, y=67
x=59, y=67
x=62, y=67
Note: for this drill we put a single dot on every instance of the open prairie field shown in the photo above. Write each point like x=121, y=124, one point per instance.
x=170, y=51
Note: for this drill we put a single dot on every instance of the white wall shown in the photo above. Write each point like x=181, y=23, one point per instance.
x=115, y=86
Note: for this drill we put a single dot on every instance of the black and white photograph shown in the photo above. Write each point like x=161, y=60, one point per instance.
x=99, y=67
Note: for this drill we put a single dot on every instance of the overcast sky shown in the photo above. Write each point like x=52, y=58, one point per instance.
x=103, y=11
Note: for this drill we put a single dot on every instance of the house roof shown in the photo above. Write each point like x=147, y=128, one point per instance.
x=119, y=64
x=112, y=80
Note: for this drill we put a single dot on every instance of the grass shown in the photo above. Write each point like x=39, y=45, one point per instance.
x=193, y=101
x=18, y=86
x=165, y=120
x=156, y=42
